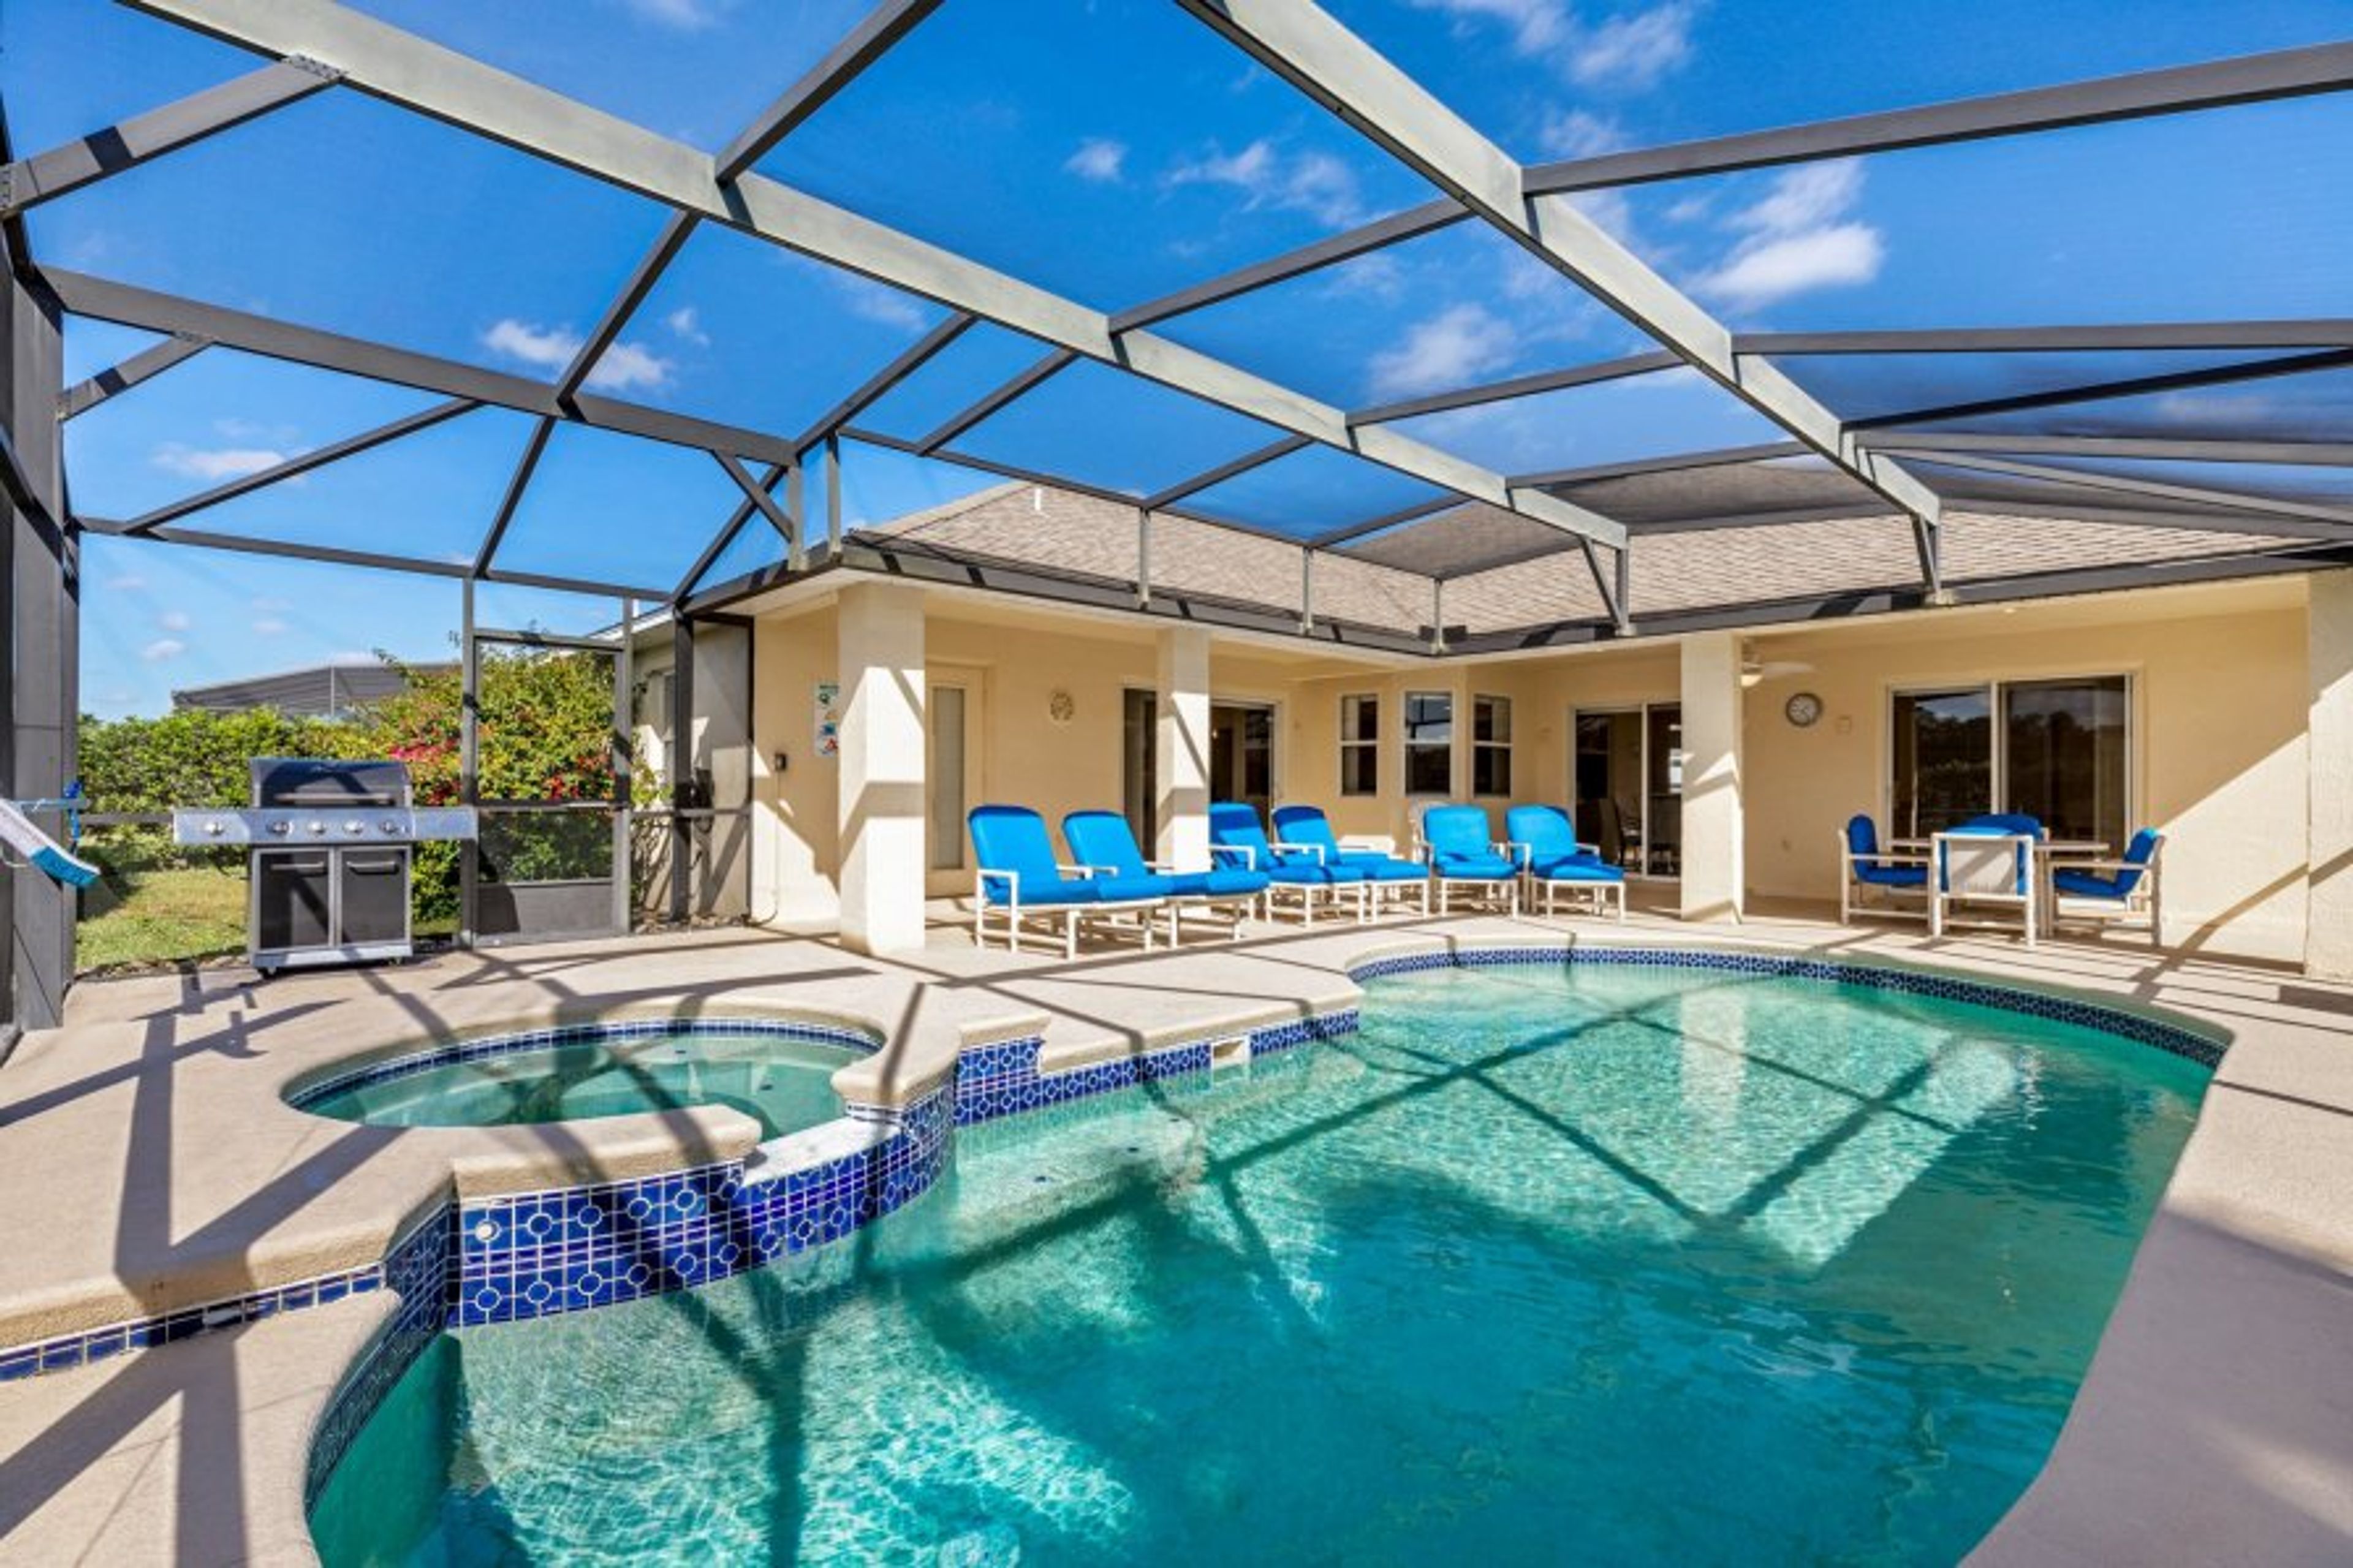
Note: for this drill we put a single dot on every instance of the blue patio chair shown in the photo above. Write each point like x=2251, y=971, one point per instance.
x=1864, y=867
x=2005, y=822
x=1103, y=841
x=1977, y=864
x=1464, y=852
x=1543, y=843
x=1018, y=880
x=1303, y=879
x=1307, y=828
x=2126, y=887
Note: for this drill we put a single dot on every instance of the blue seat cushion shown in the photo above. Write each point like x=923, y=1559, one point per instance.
x=1892, y=876
x=1128, y=889
x=1389, y=868
x=1224, y=882
x=1474, y=868
x=1578, y=868
x=1308, y=874
x=2091, y=884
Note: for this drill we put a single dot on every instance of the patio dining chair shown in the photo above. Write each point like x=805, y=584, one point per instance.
x=1105, y=844
x=1866, y=870
x=1464, y=853
x=1974, y=870
x=2128, y=888
x=1019, y=881
x=1298, y=876
x=1541, y=839
x=1387, y=876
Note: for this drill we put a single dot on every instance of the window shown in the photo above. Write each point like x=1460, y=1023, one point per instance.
x=946, y=763
x=1491, y=746
x=2057, y=751
x=1360, y=745
x=1429, y=742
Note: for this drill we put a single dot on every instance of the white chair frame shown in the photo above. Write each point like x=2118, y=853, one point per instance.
x=1305, y=896
x=1602, y=894
x=1069, y=917
x=2145, y=903
x=1852, y=887
x=1978, y=869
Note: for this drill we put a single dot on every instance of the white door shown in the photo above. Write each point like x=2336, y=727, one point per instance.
x=952, y=771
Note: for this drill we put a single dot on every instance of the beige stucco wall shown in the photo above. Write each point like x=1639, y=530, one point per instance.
x=2220, y=689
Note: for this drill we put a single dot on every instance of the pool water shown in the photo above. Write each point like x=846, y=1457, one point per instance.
x=782, y=1082
x=1604, y=1263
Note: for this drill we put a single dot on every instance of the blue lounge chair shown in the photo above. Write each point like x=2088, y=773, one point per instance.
x=2005, y=822
x=1018, y=880
x=1541, y=840
x=1307, y=828
x=2126, y=887
x=1105, y=844
x=1864, y=868
x=1464, y=852
x=1304, y=880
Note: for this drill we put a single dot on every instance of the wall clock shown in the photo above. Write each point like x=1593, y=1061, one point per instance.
x=1060, y=707
x=1803, y=709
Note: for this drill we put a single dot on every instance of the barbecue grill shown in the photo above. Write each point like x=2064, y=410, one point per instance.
x=330, y=844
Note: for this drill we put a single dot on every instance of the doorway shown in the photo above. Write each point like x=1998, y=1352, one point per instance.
x=1628, y=768
x=1241, y=758
x=952, y=759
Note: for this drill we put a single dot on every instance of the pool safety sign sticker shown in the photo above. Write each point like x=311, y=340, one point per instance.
x=828, y=718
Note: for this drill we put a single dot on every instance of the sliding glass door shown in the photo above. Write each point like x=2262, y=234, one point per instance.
x=2058, y=751
x=1627, y=766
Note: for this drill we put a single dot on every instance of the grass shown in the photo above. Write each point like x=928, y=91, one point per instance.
x=140, y=915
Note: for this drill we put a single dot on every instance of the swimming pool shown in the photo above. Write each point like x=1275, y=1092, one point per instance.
x=1599, y=1261
x=779, y=1074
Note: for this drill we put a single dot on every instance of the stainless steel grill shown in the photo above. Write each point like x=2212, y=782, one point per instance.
x=330, y=845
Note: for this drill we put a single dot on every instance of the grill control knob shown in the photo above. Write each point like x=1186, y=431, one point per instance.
x=281, y=828
x=216, y=827
x=391, y=828
x=355, y=826
x=318, y=829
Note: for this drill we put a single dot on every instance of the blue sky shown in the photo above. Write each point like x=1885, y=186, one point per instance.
x=1113, y=150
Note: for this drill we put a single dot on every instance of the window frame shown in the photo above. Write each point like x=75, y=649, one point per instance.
x=1411, y=746
x=1997, y=748
x=1350, y=743
x=1491, y=749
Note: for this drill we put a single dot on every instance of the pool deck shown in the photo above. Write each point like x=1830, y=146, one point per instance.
x=154, y=1165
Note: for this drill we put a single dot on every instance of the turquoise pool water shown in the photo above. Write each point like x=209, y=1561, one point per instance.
x=783, y=1083
x=1607, y=1264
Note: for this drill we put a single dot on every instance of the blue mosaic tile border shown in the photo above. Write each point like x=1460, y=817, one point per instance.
x=112, y=1340
x=1002, y=1079
x=569, y=1248
x=1330, y=1026
x=413, y=1062
x=2139, y=1028
x=417, y=1269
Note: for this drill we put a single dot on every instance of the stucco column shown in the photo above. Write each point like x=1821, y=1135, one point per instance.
x=881, y=643
x=2328, y=919
x=1714, y=870
x=1181, y=748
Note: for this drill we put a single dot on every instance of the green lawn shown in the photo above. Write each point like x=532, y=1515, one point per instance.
x=143, y=915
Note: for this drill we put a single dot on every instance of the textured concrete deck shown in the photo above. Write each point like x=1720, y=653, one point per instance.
x=154, y=1164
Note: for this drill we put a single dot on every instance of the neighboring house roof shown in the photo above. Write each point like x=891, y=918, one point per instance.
x=315, y=692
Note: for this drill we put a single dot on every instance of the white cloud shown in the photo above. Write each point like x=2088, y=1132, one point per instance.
x=214, y=465
x=1759, y=274
x=1537, y=26
x=1628, y=52
x=1460, y=346
x=1634, y=51
x=1576, y=133
x=2212, y=407
x=267, y=603
x=173, y=621
x=1611, y=211
x=268, y=626
x=686, y=323
x=129, y=583
x=1312, y=183
x=162, y=650
x=621, y=367
x=254, y=433
x=1098, y=160
x=1795, y=240
x=686, y=16
x=877, y=302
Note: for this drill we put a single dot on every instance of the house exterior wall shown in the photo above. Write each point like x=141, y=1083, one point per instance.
x=2221, y=701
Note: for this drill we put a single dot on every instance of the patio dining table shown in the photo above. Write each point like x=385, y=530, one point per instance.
x=2049, y=854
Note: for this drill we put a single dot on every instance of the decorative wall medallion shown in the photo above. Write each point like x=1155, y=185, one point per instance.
x=1060, y=707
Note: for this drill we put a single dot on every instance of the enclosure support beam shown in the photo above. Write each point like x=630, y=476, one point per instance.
x=2103, y=391
x=2084, y=479
x=866, y=43
x=47, y=176
x=334, y=452
x=1215, y=476
x=1929, y=445
x=1299, y=42
x=144, y=365
x=399, y=67
x=470, y=762
x=517, y=483
x=648, y=272
x=965, y=418
x=681, y=768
